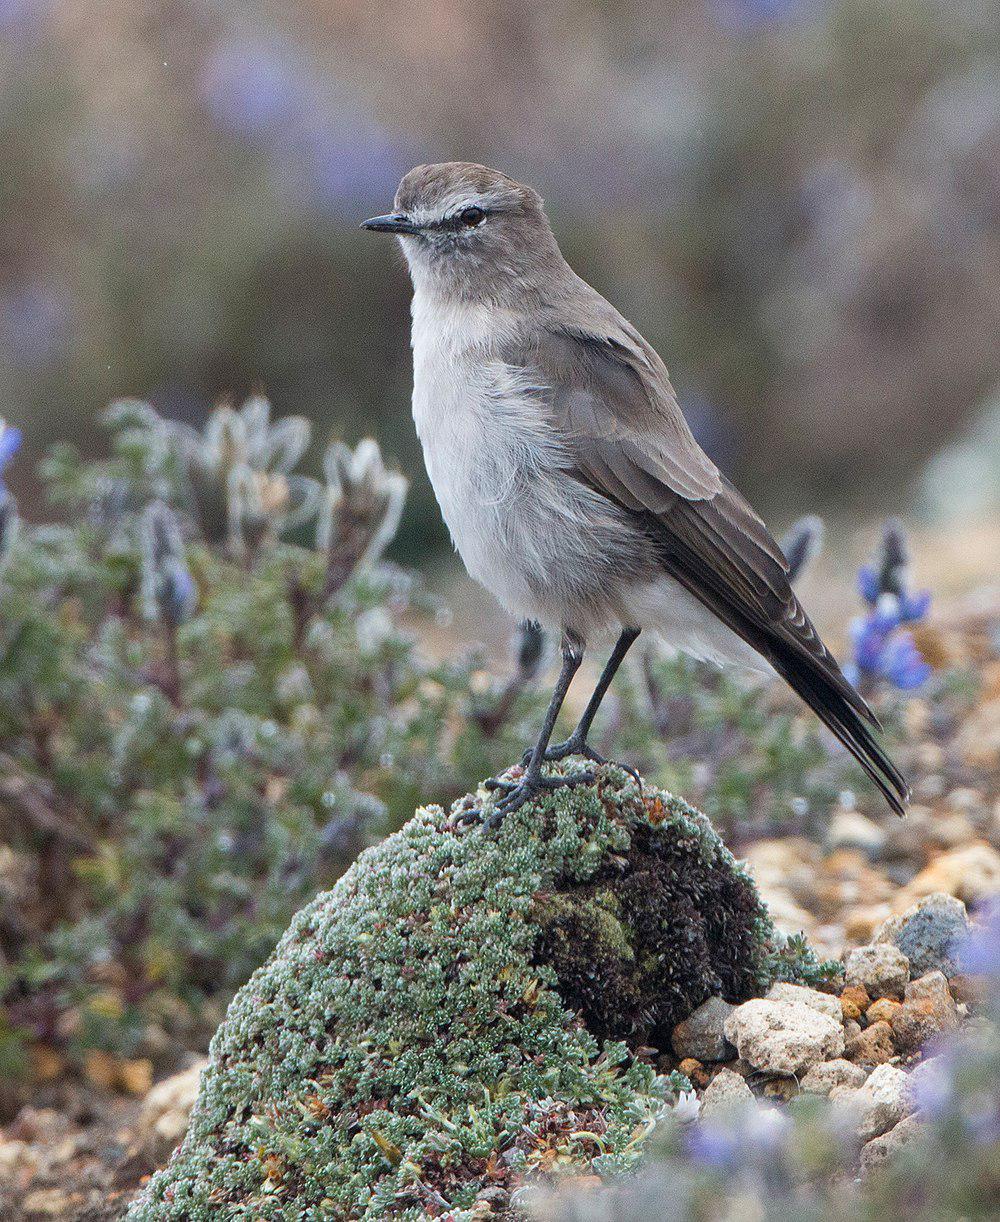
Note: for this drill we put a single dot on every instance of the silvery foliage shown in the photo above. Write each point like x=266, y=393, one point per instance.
x=236, y=478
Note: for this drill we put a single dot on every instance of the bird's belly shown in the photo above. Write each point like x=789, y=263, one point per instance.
x=541, y=542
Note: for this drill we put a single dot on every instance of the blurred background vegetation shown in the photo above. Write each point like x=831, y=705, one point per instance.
x=798, y=201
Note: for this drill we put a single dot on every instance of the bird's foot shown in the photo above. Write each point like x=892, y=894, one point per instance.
x=516, y=793
x=579, y=746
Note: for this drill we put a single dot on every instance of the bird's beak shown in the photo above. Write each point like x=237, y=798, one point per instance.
x=394, y=222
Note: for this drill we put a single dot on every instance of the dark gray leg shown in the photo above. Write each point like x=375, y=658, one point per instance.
x=518, y=792
x=577, y=744
x=578, y=739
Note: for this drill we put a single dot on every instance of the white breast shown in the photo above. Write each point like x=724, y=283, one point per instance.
x=536, y=538
x=480, y=435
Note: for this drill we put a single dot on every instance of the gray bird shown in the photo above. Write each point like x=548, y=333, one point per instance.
x=568, y=477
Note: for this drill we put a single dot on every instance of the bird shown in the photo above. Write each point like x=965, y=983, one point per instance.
x=569, y=479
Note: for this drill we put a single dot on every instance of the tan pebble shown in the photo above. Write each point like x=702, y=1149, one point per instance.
x=928, y=1008
x=828, y=1075
x=851, y=1010
x=874, y=1046
x=585, y=1183
x=978, y=741
x=857, y=993
x=881, y=1011
x=694, y=1070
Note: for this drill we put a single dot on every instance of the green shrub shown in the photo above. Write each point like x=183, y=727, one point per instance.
x=200, y=722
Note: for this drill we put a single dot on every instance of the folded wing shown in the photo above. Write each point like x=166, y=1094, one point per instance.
x=612, y=405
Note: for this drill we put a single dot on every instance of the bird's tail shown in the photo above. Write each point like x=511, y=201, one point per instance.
x=845, y=714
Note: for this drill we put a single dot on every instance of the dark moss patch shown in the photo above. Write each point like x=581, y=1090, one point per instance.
x=656, y=931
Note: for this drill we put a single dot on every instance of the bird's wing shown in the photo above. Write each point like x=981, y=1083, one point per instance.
x=612, y=407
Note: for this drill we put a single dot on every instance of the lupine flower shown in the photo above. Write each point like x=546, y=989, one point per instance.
x=10, y=443
x=361, y=505
x=883, y=648
x=169, y=590
x=981, y=952
x=890, y=575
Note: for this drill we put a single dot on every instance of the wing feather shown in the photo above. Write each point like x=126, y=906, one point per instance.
x=612, y=405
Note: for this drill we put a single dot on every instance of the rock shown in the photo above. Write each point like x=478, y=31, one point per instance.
x=952, y=831
x=822, y=1003
x=880, y=1150
x=854, y=1001
x=701, y=1034
x=873, y=1046
x=15, y=1157
x=822, y=1078
x=971, y=874
x=971, y=991
x=726, y=1091
x=882, y=1101
x=928, y=1008
x=882, y=1011
x=783, y=1037
x=694, y=1071
x=166, y=1111
x=928, y=933
x=848, y=829
x=443, y=960
x=881, y=970
x=782, y=1089
x=781, y=868
x=789, y=916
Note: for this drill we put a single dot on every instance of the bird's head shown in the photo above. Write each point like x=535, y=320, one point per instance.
x=468, y=230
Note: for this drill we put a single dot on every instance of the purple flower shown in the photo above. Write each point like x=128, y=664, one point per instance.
x=715, y=1146
x=932, y=1087
x=23, y=19
x=902, y=664
x=177, y=593
x=981, y=953
x=10, y=443
x=882, y=648
x=868, y=584
x=752, y=14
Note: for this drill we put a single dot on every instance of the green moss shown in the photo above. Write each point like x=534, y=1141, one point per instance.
x=423, y=1034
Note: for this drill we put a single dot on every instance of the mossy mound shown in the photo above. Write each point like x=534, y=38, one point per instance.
x=461, y=1010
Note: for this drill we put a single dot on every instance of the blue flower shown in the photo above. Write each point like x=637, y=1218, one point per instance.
x=883, y=649
x=714, y=1145
x=10, y=443
x=981, y=953
x=902, y=664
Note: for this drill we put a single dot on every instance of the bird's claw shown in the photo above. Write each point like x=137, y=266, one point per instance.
x=561, y=751
x=516, y=793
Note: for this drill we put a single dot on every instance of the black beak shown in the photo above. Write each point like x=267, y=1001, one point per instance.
x=396, y=222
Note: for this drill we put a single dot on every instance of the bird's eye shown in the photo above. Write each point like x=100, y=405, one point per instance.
x=471, y=217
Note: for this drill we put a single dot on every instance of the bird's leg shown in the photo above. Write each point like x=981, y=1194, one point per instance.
x=577, y=743
x=518, y=792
